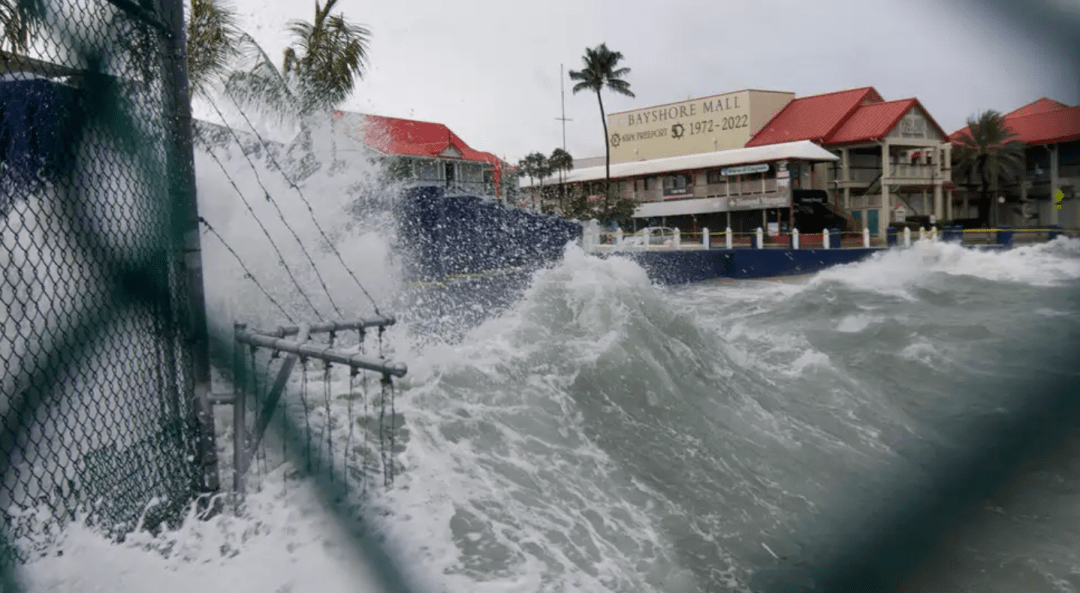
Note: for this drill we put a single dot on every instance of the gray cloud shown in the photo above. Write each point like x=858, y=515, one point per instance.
x=490, y=69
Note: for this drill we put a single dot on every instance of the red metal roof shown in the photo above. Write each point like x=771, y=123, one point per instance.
x=1041, y=106
x=1042, y=122
x=871, y=122
x=407, y=137
x=874, y=121
x=813, y=118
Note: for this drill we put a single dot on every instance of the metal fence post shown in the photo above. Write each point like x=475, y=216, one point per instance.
x=185, y=223
x=239, y=405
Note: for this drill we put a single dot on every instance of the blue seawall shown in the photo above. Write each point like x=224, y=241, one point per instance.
x=680, y=267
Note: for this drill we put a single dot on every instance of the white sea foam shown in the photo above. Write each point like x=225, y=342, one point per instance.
x=895, y=271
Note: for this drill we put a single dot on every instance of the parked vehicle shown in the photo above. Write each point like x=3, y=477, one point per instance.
x=655, y=235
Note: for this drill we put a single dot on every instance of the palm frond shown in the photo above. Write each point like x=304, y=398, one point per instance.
x=213, y=40
x=326, y=58
x=20, y=21
x=258, y=84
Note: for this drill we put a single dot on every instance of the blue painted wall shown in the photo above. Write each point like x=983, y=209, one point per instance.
x=680, y=267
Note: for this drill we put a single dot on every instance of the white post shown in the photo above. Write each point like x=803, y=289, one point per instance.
x=794, y=238
x=922, y=233
x=933, y=233
x=866, y=237
x=824, y=238
x=728, y=241
x=618, y=238
x=677, y=239
x=705, y=237
x=760, y=238
x=907, y=236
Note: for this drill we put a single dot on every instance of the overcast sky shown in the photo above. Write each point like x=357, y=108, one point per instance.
x=489, y=69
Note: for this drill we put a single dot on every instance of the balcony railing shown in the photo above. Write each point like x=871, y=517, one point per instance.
x=907, y=171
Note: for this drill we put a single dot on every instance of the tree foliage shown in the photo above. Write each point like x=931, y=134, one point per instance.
x=18, y=18
x=319, y=70
x=988, y=154
x=213, y=43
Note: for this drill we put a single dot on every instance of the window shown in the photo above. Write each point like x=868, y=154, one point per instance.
x=471, y=173
x=428, y=171
x=650, y=183
x=639, y=185
x=714, y=176
x=679, y=181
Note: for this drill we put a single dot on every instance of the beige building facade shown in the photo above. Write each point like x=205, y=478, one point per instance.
x=695, y=126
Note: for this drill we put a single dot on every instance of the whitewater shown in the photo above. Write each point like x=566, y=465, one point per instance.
x=603, y=433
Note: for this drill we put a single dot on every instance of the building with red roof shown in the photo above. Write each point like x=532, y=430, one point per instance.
x=1050, y=131
x=423, y=151
x=894, y=158
x=880, y=161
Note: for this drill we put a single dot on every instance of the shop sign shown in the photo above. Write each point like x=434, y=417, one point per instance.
x=744, y=169
x=758, y=202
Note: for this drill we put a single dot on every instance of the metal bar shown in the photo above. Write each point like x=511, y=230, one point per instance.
x=327, y=326
x=185, y=226
x=225, y=399
x=397, y=369
x=239, y=447
x=275, y=392
x=142, y=14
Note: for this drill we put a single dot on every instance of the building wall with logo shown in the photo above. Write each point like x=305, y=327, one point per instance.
x=719, y=122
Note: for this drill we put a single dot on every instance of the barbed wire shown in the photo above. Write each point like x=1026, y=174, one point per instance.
x=311, y=210
x=281, y=258
x=281, y=214
x=248, y=273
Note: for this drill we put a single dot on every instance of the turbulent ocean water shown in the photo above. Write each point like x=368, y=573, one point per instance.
x=607, y=434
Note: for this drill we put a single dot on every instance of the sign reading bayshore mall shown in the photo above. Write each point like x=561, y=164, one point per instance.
x=720, y=122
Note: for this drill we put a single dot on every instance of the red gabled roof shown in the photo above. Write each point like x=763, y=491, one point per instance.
x=871, y=122
x=813, y=118
x=875, y=120
x=1041, y=106
x=407, y=137
x=1042, y=122
x=1047, y=127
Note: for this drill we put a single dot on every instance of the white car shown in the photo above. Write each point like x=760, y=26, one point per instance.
x=654, y=235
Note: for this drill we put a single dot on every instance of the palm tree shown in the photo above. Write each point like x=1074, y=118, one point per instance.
x=19, y=24
x=987, y=152
x=600, y=71
x=561, y=161
x=318, y=72
x=534, y=166
x=213, y=43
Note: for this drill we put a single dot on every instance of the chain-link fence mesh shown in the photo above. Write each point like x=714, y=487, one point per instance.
x=96, y=393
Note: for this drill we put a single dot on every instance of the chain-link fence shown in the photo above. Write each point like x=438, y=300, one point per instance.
x=98, y=382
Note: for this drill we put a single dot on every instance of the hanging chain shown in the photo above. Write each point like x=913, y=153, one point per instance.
x=366, y=449
x=349, y=414
x=304, y=404
x=388, y=459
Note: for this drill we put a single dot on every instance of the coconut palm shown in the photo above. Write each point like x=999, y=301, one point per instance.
x=213, y=43
x=534, y=166
x=318, y=72
x=561, y=161
x=986, y=153
x=600, y=71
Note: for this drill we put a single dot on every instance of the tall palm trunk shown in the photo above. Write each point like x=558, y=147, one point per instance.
x=607, y=152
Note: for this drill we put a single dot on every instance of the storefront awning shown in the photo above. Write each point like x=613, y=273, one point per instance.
x=804, y=150
x=710, y=205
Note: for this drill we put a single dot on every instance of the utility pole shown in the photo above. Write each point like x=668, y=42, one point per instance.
x=563, y=119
